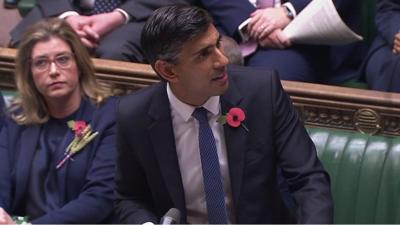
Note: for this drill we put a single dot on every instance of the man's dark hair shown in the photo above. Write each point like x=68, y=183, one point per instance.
x=169, y=28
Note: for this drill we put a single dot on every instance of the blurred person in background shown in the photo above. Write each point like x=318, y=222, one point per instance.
x=383, y=65
x=265, y=45
x=110, y=29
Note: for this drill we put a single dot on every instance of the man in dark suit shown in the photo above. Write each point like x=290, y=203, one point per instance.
x=173, y=152
x=113, y=34
x=309, y=63
x=382, y=68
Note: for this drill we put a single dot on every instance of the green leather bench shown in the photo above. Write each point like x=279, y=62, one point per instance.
x=368, y=31
x=365, y=175
x=24, y=6
x=9, y=96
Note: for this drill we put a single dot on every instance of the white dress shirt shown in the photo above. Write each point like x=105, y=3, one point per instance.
x=186, y=132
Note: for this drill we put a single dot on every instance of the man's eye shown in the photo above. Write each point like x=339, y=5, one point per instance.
x=204, y=53
x=219, y=43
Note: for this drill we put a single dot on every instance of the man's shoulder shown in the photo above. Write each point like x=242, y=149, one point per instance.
x=146, y=93
x=245, y=77
x=141, y=99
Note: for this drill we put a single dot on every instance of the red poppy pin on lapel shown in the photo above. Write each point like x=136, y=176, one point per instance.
x=234, y=118
x=83, y=135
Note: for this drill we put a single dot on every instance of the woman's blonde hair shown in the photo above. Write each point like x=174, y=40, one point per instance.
x=34, y=107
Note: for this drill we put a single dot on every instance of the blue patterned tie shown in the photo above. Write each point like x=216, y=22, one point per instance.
x=105, y=6
x=213, y=188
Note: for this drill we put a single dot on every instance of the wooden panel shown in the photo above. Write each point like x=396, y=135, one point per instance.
x=366, y=111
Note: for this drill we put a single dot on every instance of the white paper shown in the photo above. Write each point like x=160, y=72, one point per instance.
x=242, y=31
x=319, y=23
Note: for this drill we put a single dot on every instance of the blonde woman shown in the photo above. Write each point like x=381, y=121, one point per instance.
x=58, y=148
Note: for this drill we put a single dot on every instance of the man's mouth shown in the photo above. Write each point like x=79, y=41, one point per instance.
x=221, y=76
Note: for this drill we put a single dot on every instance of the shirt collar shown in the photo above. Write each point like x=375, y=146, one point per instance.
x=185, y=111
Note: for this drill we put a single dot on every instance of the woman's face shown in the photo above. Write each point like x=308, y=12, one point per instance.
x=54, y=70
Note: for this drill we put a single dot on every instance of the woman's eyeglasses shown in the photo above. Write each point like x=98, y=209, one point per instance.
x=62, y=61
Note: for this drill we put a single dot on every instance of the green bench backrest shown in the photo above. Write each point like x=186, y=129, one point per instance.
x=24, y=6
x=365, y=175
x=368, y=9
x=9, y=96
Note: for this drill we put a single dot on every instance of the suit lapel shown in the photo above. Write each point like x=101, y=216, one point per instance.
x=235, y=138
x=161, y=134
x=163, y=141
x=28, y=146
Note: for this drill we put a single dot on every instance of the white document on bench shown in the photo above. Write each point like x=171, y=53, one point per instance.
x=319, y=23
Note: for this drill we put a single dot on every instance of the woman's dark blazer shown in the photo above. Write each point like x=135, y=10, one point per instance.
x=83, y=188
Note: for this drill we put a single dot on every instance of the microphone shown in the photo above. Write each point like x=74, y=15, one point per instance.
x=173, y=216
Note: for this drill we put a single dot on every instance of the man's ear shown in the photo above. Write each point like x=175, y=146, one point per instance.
x=166, y=70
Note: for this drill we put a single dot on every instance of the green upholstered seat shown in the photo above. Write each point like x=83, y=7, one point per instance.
x=368, y=31
x=9, y=96
x=365, y=174
x=368, y=10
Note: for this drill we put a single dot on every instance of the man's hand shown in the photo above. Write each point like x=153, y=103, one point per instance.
x=396, y=45
x=81, y=25
x=277, y=39
x=265, y=21
x=5, y=218
x=92, y=28
x=104, y=23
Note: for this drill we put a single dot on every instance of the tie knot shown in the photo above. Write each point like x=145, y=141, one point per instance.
x=105, y=6
x=201, y=115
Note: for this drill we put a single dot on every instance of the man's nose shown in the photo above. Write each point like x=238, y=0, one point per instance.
x=221, y=59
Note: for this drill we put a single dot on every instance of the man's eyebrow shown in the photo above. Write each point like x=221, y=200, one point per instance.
x=203, y=49
x=209, y=46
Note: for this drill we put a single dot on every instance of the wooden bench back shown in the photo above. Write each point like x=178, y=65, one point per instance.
x=366, y=111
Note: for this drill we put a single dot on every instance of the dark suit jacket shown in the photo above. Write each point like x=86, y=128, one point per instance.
x=381, y=64
x=84, y=192
x=148, y=177
x=387, y=20
x=2, y=105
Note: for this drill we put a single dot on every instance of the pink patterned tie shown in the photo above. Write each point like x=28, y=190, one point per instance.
x=249, y=47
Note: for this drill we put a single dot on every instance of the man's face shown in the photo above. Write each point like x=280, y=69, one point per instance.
x=201, y=69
